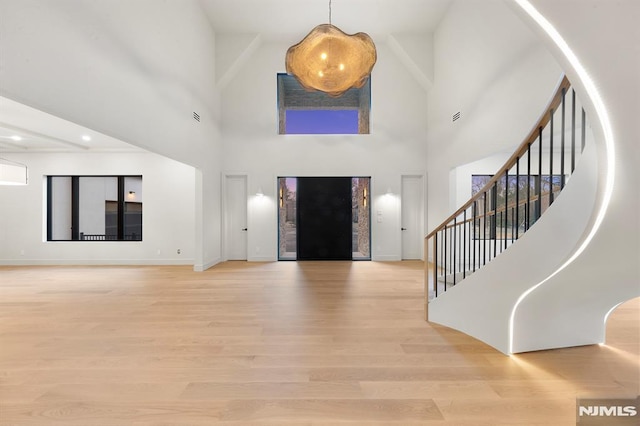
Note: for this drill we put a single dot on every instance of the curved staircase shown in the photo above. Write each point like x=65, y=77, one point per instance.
x=491, y=257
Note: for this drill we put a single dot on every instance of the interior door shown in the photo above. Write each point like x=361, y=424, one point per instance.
x=236, y=217
x=324, y=219
x=412, y=217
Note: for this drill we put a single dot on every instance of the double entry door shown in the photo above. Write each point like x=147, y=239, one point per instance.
x=324, y=218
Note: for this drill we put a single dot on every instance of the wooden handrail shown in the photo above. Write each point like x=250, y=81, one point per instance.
x=524, y=146
x=494, y=212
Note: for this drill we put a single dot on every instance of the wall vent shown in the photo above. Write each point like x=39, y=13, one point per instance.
x=455, y=116
x=196, y=116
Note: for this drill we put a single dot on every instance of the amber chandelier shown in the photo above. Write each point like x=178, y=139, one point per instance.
x=331, y=61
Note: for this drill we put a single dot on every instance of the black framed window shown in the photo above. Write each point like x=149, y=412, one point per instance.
x=94, y=208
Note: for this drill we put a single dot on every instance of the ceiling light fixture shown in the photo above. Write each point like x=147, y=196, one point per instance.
x=16, y=138
x=86, y=138
x=331, y=61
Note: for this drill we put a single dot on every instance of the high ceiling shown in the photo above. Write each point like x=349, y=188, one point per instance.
x=295, y=18
x=24, y=129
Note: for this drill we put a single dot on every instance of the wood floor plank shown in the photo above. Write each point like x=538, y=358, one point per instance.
x=279, y=343
x=115, y=392
x=332, y=410
x=432, y=389
x=558, y=411
x=80, y=413
x=273, y=390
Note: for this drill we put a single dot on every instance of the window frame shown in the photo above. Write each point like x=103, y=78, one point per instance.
x=76, y=235
x=292, y=96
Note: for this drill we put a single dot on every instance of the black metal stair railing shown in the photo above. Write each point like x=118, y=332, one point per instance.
x=512, y=200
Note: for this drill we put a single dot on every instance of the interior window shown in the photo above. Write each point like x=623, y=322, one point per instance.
x=94, y=208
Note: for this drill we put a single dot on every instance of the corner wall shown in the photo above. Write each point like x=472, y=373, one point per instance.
x=133, y=70
x=168, y=212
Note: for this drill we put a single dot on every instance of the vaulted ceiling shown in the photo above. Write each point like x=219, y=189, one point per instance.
x=24, y=129
x=295, y=18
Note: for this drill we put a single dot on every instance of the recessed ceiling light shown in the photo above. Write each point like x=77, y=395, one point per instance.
x=16, y=138
x=86, y=138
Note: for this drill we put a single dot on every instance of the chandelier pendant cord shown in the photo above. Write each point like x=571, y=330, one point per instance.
x=329, y=12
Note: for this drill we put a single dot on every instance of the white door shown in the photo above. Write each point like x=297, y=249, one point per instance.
x=236, y=217
x=412, y=217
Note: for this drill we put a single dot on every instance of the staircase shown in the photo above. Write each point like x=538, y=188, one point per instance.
x=503, y=242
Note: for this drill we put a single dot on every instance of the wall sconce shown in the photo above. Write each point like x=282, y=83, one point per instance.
x=364, y=197
x=260, y=193
x=281, y=198
x=389, y=192
x=131, y=195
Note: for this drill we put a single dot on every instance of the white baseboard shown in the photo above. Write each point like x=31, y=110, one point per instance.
x=204, y=267
x=95, y=262
x=386, y=258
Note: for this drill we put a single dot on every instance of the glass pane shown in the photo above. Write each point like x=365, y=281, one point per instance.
x=111, y=220
x=361, y=213
x=287, y=218
x=93, y=193
x=319, y=121
x=133, y=208
x=132, y=221
x=60, y=208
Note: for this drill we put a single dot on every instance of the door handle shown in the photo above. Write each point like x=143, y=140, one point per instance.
x=403, y=229
x=244, y=229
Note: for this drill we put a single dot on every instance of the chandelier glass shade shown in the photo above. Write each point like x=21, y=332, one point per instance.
x=331, y=61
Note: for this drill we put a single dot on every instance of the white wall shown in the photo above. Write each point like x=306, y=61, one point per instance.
x=396, y=145
x=493, y=69
x=134, y=70
x=168, y=212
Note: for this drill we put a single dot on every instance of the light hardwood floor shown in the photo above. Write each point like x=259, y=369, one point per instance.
x=275, y=344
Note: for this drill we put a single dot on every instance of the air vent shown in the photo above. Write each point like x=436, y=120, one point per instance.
x=196, y=116
x=455, y=116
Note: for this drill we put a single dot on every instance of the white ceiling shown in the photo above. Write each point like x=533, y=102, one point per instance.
x=41, y=132
x=295, y=18
x=272, y=19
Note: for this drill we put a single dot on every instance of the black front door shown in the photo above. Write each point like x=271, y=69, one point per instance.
x=324, y=228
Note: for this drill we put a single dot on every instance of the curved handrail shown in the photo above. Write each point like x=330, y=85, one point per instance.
x=506, y=206
x=524, y=146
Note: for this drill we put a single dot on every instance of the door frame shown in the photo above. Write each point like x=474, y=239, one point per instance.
x=225, y=212
x=370, y=205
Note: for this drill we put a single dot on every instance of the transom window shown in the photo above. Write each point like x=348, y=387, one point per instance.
x=304, y=112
